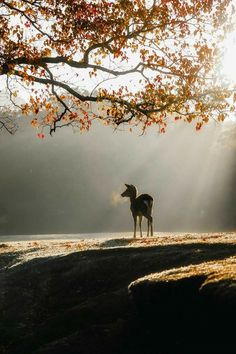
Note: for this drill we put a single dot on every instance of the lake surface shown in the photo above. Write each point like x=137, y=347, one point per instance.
x=79, y=236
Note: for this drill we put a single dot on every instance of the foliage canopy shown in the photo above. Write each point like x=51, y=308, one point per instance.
x=169, y=48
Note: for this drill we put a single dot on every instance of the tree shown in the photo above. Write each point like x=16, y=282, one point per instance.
x=7, y=122
x=52, y=49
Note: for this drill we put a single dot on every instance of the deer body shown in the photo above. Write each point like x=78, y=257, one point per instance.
x=140, y=206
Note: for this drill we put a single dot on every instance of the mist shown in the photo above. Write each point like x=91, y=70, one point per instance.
x=71, y=182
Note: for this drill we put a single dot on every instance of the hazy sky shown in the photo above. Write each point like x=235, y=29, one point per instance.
x=65, y=183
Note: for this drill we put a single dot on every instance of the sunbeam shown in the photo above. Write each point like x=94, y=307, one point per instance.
x=228, y=69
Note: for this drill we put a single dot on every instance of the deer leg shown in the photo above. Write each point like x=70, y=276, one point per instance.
x=140, y=225
x=135, y=224
x=151, y=222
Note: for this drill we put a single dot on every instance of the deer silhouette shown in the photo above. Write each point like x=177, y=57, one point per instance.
x=140, y=206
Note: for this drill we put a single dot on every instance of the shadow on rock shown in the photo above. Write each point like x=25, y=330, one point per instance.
x=79, y=303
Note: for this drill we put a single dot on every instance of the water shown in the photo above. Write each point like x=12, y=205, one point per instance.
x=79, y=236
x=87, y=236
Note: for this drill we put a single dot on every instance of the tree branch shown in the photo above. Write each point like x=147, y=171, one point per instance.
x=72, y=63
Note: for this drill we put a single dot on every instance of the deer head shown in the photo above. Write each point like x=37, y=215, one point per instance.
x=130, y=192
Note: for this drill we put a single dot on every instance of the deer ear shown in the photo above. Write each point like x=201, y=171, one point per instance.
x=134, y=187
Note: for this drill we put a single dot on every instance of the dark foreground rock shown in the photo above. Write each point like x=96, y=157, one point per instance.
x=190, y=309
x=80, y=303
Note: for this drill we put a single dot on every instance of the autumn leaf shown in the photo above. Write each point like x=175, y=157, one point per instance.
x=55, y=51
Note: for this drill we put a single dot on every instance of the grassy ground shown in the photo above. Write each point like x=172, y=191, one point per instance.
x=60, y=296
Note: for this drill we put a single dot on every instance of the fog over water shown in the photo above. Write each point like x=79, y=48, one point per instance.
x=71, y=182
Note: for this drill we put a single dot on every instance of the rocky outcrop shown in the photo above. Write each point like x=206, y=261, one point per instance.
x=189, y=309
x=79, y=303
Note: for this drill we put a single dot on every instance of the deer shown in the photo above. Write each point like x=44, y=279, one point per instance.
x=140, y=206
